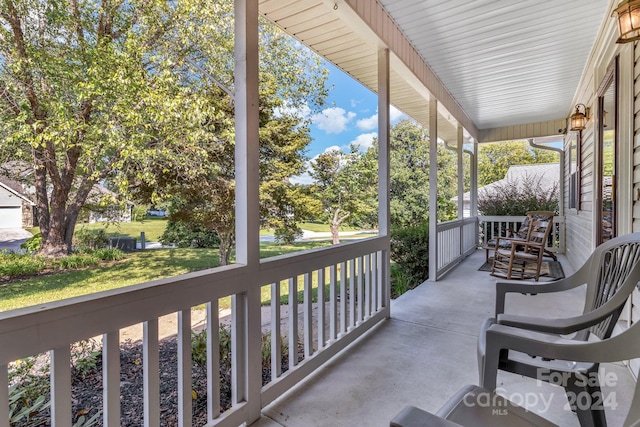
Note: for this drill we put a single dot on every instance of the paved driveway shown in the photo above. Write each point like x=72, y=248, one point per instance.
x=12, y=238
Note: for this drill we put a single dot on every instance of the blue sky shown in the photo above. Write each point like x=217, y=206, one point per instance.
x=349, y=117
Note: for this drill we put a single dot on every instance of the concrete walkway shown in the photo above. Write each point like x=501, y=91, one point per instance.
x=426, y=352
x=12, y=238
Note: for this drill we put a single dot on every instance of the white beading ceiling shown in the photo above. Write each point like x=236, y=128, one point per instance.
x=505, y=61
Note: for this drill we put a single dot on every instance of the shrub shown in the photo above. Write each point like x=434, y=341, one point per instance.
x=109, y=254
x=400, y=283
x=28, y=390
x=90, y=239
x=85, y=357
x=14, y=265
x=287, y=235
x=185, y=235
x=410, y=252
x=77, y=261
x=513, y=197
x=199, y=355
x=33, y=243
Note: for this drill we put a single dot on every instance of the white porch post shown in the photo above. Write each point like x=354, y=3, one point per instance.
x=384, y=221
x=246, y=371
x=433, y=188
x=474, y=180
x=459, y=152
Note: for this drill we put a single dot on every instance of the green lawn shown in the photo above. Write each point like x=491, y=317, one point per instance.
x=323, y=227
x=138, y=267
x=152, y=226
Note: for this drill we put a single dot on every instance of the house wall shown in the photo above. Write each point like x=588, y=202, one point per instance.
x=27, y=215
x=8, y=199
x=581, y=223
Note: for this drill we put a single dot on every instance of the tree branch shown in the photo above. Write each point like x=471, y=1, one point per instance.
x=10, y=14
x=75, y=12
x=10, y=101
x=211, y=77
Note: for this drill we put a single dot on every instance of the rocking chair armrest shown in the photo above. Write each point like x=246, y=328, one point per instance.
x=517, y=286
x=516, y=240
x=500, y=337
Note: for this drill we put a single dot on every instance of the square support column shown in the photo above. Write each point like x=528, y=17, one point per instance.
x=433, y=189
x=246, y=335
x=384, y=217
x=460, y=152
x=474, y=180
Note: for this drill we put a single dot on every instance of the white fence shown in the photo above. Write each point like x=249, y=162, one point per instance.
x=352, y=277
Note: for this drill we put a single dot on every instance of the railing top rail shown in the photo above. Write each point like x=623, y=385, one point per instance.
x=61, y=322
x=66, y=321
x=284, y=266
x=514, y=218
x=447, y=225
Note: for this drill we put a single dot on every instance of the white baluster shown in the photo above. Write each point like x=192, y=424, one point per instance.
x=111, y=378
x=184, y=369
x=151, y=373
x=61, y=387
x=213, y=360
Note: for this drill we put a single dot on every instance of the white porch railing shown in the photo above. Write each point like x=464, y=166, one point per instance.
x=353, y=275
x=456, y=240
x=491, y=227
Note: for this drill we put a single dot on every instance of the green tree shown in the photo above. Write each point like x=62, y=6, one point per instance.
x=133, y=93
x=345, y=184
x=82, y=88
x=495, y=158
x=409, y=189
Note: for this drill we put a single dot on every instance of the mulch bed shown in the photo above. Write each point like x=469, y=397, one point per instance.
x=87, y=389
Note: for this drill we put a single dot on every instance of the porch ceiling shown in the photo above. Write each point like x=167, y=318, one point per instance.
x=504, y=62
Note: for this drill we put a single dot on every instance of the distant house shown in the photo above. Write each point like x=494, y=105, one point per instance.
x=17, y=210
x=546, y=174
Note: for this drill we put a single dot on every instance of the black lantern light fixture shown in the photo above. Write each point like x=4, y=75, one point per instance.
x=628, y=15
x=579, y=119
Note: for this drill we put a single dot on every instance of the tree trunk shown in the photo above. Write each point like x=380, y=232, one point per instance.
x=335, y=225
x=54, y=245
x=225, y=248
x=335, y=234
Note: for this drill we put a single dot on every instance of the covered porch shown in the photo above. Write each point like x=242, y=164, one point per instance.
x=425, y=352
x=416, y=350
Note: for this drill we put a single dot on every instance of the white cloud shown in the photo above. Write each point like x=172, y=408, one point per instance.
x=364, y=141
x=304, y=179
x=333, y=120
x=302, y=111
x=372, y=122
x=328, y=149
x=368, y=123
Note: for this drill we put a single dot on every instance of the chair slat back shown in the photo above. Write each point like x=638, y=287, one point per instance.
x=542, y=222
x=614, y=264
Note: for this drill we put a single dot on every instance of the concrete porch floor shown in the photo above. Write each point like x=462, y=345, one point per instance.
x=426, y=352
